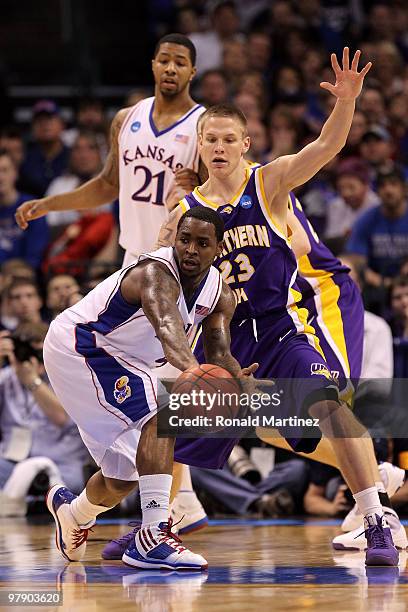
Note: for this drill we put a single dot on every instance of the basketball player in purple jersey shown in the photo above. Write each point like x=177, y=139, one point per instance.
x=259, y=265
x=336, y=312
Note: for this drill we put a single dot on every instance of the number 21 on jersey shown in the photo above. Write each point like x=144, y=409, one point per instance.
x=152, y=188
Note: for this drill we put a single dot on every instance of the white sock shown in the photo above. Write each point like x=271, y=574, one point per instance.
x=368, y=502
x=186, y=486
x=155, y=497
x=83, y=511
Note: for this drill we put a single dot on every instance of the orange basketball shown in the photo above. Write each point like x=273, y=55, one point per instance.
x=208, y=391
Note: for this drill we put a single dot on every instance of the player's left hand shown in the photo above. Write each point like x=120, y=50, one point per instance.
x=248, y=382
x=348, y=81
x=186, y=179
x=245, y=372
x=27, y=371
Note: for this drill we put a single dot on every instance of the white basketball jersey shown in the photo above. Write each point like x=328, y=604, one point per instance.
x=148, y=159
x=105, y=320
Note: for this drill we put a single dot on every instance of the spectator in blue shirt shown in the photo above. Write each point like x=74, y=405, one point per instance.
x=47, y=157
x=379, y=240
x=15, y=243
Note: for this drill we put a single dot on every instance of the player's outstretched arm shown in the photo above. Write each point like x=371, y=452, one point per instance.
x=290, y=171
x=216, y=335
x=168, y=230
x=158, y=292
x=99, y=190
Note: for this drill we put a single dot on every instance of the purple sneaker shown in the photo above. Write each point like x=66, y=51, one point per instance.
x=380, y=545
x=115, y=548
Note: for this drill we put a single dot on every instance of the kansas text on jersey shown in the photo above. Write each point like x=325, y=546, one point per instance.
x=148, y=158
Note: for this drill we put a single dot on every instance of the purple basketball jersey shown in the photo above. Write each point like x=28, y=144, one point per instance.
x=257, y=261
x=319, y=263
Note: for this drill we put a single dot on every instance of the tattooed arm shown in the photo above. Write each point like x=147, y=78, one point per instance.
x=99, y=190
x=155, y=288
x=168, y=230
x=216, y=333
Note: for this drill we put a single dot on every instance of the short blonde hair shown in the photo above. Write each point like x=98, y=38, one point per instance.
x=223, y=110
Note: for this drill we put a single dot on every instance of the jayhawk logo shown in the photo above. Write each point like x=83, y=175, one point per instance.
x=122, y=390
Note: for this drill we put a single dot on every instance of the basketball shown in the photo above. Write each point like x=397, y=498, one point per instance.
x=208, y=391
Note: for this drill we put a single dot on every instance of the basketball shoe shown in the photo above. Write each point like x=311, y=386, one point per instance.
x=356, y=540
x=70, y=537
x=156, y=547
x=115, y=548
x=187, y=515
x=392, y=477
x=380, y=546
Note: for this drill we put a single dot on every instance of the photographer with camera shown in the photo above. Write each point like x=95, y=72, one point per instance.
x=38, y=438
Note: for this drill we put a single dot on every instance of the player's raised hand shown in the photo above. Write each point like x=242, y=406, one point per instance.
x=34, y=209
x=348, y=80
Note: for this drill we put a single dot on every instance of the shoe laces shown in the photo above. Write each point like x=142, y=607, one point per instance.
x=124, y=539
x=376, y=535
x=171, y=538
x=80, y=536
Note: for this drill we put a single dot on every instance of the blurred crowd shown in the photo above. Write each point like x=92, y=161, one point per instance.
x=268, y=58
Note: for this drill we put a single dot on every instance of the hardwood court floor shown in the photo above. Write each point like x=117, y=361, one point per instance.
x=254, y=566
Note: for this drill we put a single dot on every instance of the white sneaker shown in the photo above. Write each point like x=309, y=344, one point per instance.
x=392, y=477
x=159, y=548
x=356, y=540
x=187, y=513
x=70, y=537
x=353, y=520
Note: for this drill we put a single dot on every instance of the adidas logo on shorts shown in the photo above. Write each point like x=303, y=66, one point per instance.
x=152, y=504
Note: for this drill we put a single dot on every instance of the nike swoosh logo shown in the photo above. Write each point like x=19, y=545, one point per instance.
x=284, y=336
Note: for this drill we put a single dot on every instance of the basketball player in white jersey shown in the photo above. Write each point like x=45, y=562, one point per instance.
x=100, y=354
x=153, y=157
x=152, y=164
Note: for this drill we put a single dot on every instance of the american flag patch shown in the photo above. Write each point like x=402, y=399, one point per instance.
x=182, y=138
x=202, y=311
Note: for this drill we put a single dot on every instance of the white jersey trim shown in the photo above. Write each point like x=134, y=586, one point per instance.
x=159, y=133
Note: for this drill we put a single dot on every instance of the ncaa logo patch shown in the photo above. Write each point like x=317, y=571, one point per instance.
x=245, y=202
x=122, y=390
x=135, y=126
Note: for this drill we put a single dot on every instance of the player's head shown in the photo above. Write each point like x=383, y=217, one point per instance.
x=223, y=138
x=199, y=240
x=173, y=64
